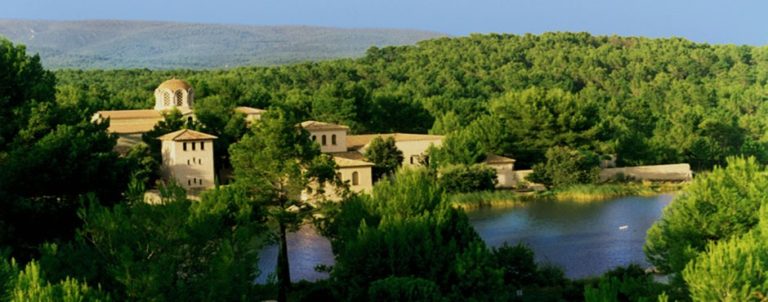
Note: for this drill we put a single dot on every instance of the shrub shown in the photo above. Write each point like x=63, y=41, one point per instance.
x=467, y=178
x=565, y=166
x=404, y=289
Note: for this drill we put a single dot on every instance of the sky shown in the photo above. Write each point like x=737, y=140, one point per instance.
x=714, y=22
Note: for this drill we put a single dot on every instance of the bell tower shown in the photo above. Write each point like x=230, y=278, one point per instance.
x=174, y=93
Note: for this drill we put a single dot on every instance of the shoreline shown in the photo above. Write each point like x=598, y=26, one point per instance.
x=578, y=193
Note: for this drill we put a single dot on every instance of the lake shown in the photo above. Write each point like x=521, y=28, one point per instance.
x=584, y=238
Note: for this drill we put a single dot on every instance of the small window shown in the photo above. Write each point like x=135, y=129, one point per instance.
x=202, y=146
x=179, y=97
x=187, y=162
x=193, y=146
x=355, y=178
x=324, y=142
x=314, y=138
x=199, y=161
x=166, y=99
x=333, y=139
x=189, y=182
x=185, y=146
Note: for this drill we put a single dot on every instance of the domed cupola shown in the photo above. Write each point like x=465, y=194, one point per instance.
x=174, y=93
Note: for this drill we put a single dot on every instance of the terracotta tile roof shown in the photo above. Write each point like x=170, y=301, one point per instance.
x=349, y=163
x=132, y=121
x=497, y=159
x=130, y=114
x=132, y=126
x=359, y=141
x=315, y=125
x=186, y=135
x=249, y=110
x=175, y=84
x=354, y=155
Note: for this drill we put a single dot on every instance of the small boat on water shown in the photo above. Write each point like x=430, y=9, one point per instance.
x=623, y=227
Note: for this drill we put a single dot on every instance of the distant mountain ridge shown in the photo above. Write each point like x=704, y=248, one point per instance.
x=163, y=45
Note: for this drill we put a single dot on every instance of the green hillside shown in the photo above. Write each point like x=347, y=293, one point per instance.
x=140, y=44
x=647, y=101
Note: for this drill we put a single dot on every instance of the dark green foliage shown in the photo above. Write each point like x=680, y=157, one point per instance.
x=175, y=251
x=732, y=270
x=275, y=165
x=24, y=84
x=517, y=263
x=631, y=284
x=50, y=157
x=467, y=178
x=565, y=166
x=406, y=231
x=647, y=101
x=717, y=206
x=404, y=289
x=30, y=284
x=384, y=155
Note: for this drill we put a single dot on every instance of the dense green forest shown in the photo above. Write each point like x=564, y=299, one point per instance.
x=647, y=101
x=74, y=225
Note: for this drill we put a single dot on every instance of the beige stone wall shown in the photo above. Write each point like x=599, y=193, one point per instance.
x=505, y=174
x=192, y=169
x=364, y=185
x=413, y=151
x=674, y=172
x=329, y=146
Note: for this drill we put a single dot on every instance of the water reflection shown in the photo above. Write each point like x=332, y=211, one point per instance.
x=586, y=239
x=306, y=249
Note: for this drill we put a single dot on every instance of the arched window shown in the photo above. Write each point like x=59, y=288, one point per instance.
x=166, y=99
x=355, y=178
x=324, y=143
x=333, y=139
x=179, y=97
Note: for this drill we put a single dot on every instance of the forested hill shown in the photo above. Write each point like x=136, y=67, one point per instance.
x=139, y=44
x=645, y=100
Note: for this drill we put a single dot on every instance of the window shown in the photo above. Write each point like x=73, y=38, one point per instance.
x=355, y=178
x=314, y=138
x=199, y=161
x=187, y=162
x=193, y=146
x=202, y=145
x=166, y=99
x=179, y=97
x=185, y=146
x=189, y=182
x=324, y=140
x=333, y=139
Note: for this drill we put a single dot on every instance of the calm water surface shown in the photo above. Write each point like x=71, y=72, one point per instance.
x=584, y=238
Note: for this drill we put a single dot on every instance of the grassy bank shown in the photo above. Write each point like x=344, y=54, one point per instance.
x=584, y=193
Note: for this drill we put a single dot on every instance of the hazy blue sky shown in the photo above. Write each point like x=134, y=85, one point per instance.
x=740, y=22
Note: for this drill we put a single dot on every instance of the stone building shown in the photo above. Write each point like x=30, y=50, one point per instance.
x=188, y=159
